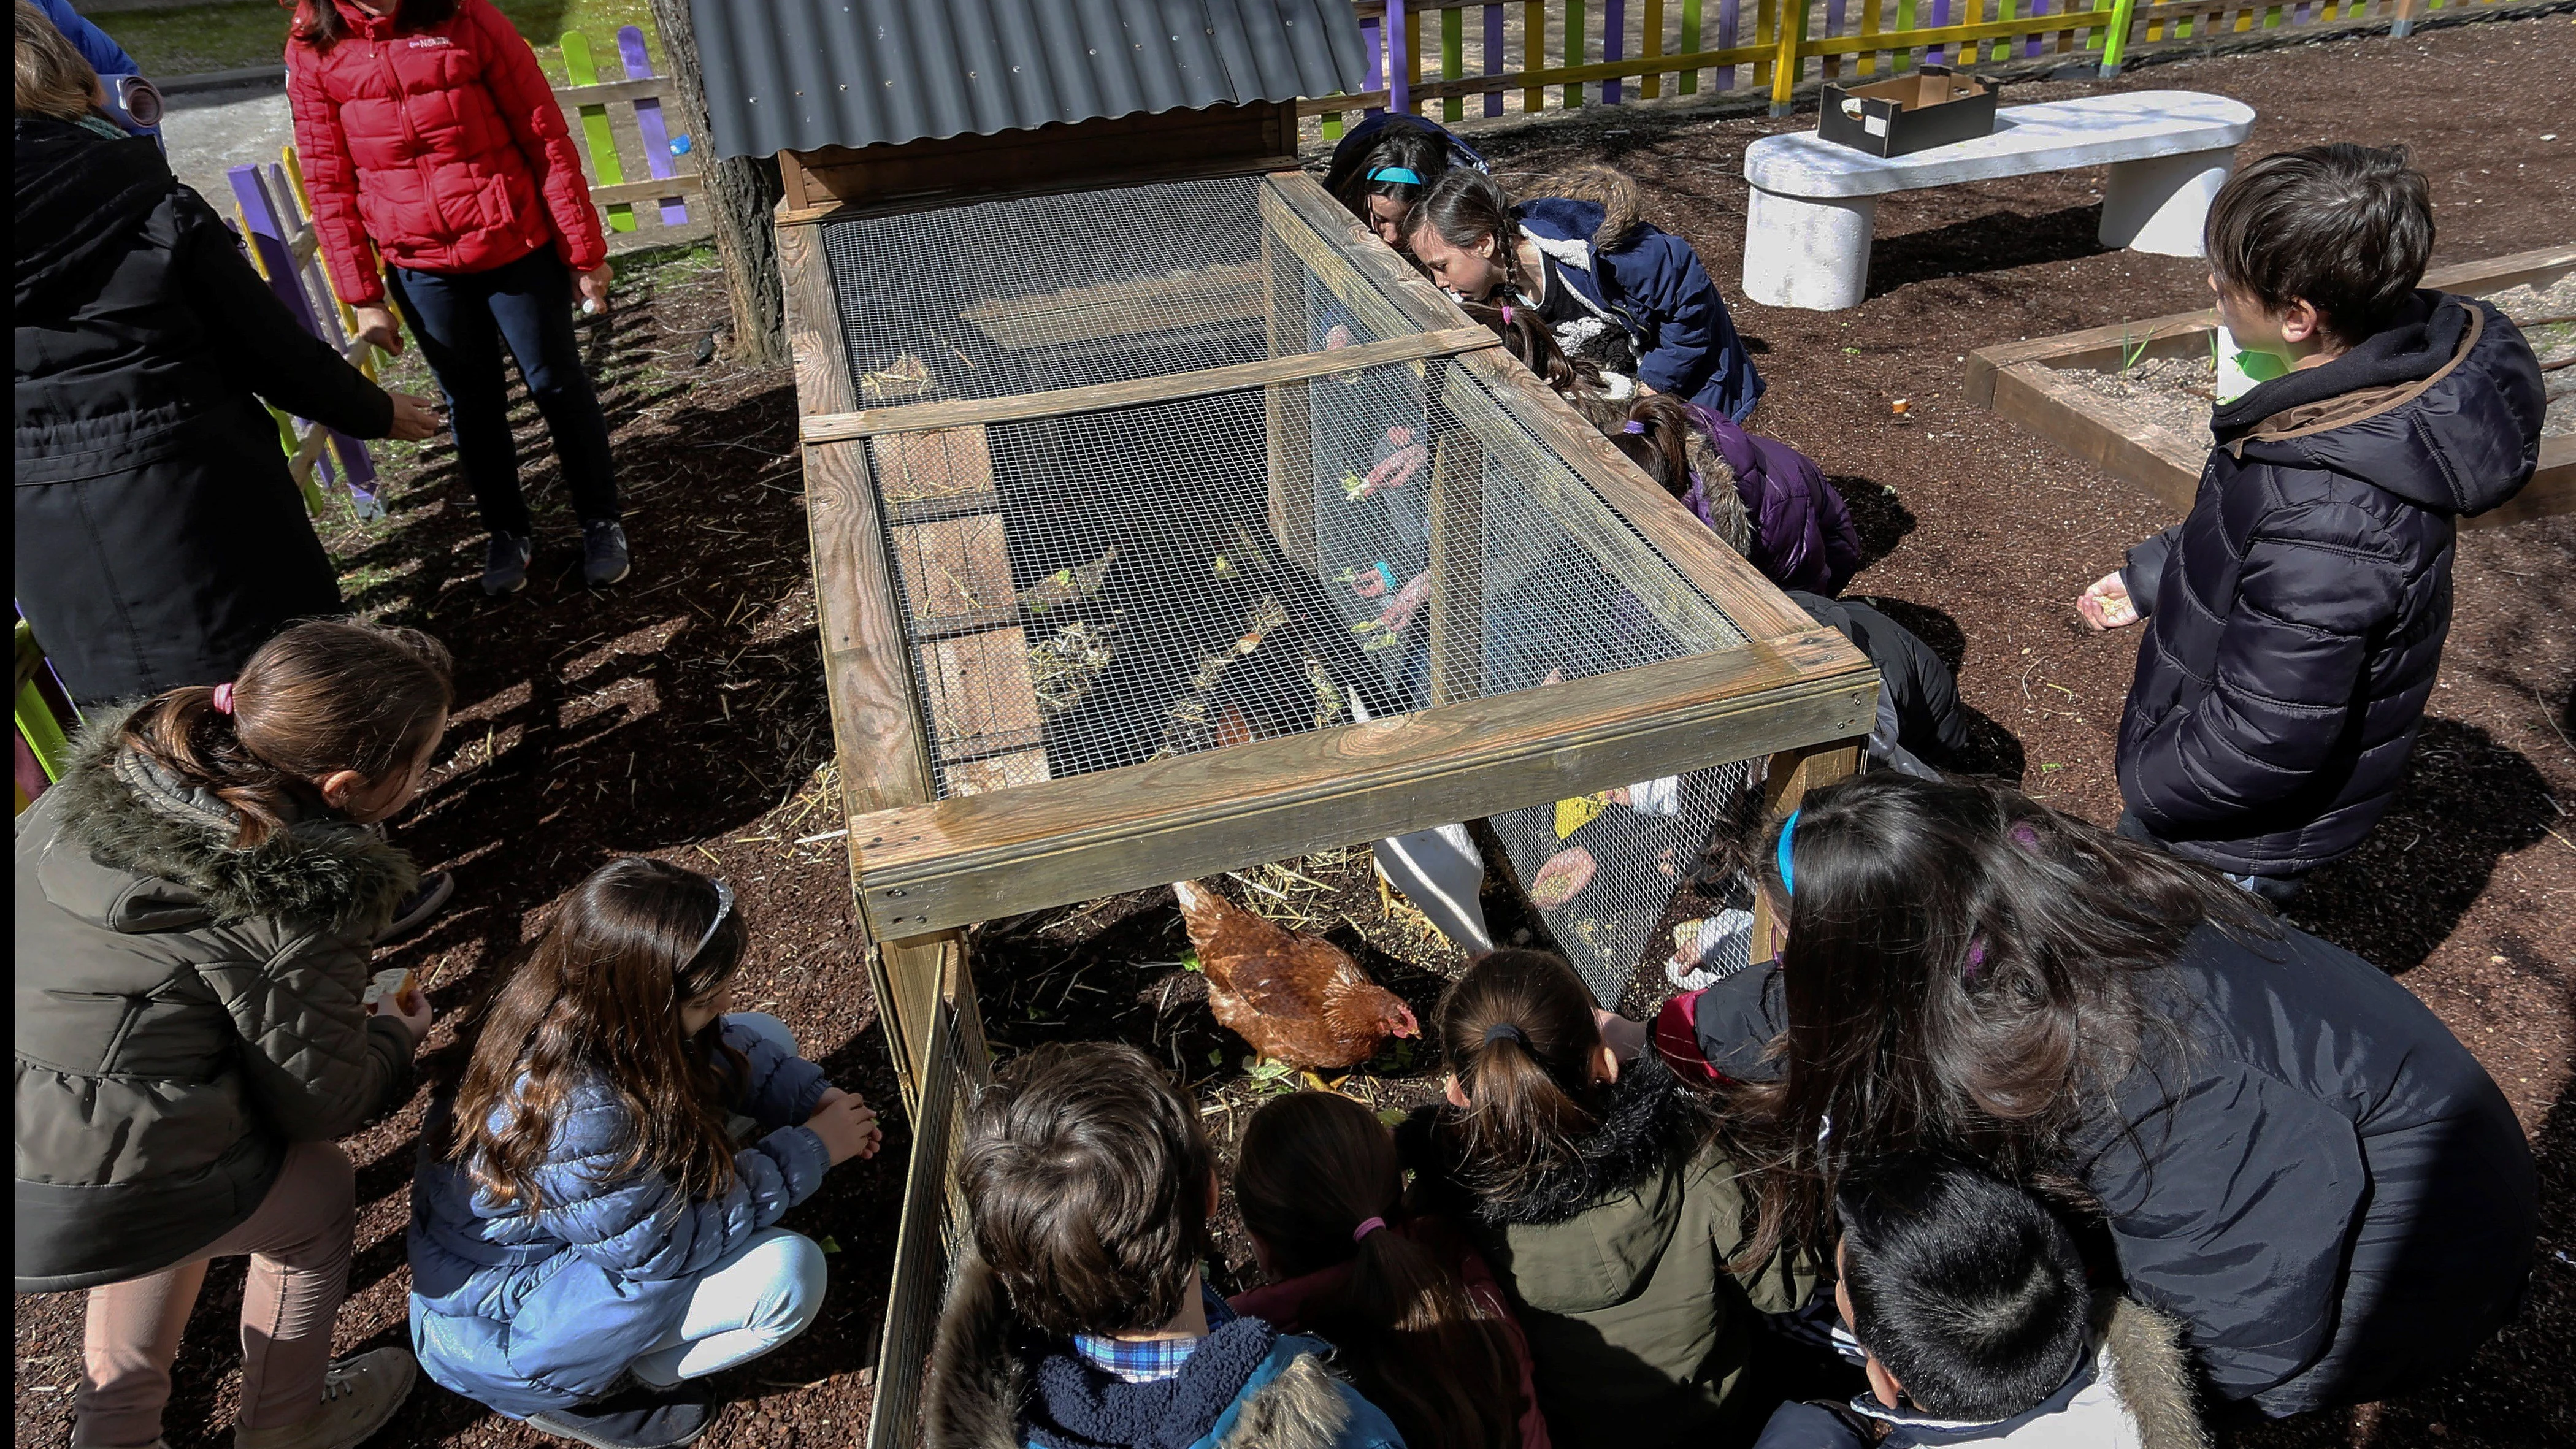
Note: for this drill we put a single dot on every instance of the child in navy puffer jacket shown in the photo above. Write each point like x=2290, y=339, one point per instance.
x=583, y=1223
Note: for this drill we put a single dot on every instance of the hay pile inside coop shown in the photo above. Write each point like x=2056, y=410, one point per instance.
x=2177, y=393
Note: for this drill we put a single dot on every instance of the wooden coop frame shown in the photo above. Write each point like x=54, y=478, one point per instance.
x=923, y=867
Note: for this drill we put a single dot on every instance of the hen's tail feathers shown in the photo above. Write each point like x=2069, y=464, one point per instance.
x=1611, y=189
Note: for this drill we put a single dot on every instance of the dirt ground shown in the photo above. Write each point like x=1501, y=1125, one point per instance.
x=682, y=714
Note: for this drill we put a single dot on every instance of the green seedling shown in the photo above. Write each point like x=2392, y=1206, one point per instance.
x=1391, y=1116
x=1190, y=962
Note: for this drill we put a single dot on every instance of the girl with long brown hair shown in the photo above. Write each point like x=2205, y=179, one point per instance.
x=1618, y=293
x=1423, y=1328
x=2288, y=1152
x=585, y=1215
x=198, y=897
x=1583, y=1172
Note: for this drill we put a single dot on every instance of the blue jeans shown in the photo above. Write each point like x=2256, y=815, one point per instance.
x=463, y=320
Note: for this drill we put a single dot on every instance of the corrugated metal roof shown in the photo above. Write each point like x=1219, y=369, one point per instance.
x=800, y=74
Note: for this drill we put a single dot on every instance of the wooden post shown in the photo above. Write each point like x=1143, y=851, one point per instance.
x=739, y=192
x=1793, y=774
x=1457, y=567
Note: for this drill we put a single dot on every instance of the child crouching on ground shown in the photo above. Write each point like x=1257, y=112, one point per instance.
x=1081, y=1320
x=1968, y=1302
x=587, y=1240
x=1423, y=1327
x=1582, y=1174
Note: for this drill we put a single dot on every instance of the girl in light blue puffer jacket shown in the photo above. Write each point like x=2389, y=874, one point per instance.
x=587, y=1237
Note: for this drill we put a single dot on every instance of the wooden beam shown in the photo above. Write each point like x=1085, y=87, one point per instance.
x=1457, y=567
x=1739, y=591
x=1078, y=156
x=929, y=867
x=1793, y=774
x=1133, y=392
x=1426, y=305
x=2150, y=455
x=687, y=183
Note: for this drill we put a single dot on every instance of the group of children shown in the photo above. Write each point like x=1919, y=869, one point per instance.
x=1939, y=1099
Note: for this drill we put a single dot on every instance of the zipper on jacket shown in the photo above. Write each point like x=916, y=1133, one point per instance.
x=411, y=133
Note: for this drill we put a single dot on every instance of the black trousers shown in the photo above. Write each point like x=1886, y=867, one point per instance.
x=462, y=321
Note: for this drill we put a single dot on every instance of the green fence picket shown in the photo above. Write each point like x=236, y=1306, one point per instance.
x=605, y=168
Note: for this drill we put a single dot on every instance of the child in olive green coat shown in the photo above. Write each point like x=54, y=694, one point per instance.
x=1589, y=1184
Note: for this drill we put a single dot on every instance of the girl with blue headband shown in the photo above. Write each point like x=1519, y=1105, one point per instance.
x=2287, y=1151
x=1385, y=164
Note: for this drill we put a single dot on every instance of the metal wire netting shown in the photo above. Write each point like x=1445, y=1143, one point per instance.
x=1036, y=293
x=1100, y=589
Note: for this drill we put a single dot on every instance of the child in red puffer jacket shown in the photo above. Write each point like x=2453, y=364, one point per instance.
x=431, y=141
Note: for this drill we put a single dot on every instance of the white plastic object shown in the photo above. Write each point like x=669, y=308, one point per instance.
x=2240, y=371
x=1439, y=870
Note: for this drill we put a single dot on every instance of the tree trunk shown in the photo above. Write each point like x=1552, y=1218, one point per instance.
x=740, y=193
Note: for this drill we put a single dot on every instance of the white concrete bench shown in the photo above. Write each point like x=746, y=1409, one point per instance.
x=1807, y=231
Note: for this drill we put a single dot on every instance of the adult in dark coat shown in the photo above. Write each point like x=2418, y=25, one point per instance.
x=2297, y=1160
x=160, y=537
x=2295, y=620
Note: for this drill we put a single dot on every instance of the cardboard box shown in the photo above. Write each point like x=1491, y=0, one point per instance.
x=1932, y=106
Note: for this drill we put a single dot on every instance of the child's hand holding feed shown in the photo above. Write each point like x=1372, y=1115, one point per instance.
x=847, y=1125
x=2107, y=604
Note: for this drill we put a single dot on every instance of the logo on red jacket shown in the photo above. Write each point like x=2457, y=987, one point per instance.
x=430, y=42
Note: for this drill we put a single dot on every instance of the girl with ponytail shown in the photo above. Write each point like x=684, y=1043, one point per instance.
x=1423, y=1328
x=1582, y=1169
x=1617, y=292
x=198, y=898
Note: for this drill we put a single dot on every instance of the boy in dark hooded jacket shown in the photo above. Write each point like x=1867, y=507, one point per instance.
x=2295, y=620
x=1081, y=1320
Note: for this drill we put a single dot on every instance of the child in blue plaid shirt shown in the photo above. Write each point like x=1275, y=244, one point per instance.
x=1081, y=1320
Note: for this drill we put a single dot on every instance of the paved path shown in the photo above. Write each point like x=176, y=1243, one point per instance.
x=209, y=132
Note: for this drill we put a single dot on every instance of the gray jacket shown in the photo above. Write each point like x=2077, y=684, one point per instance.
x=184, y=1011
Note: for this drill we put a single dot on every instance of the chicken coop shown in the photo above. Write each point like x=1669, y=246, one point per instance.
x=1166, y=523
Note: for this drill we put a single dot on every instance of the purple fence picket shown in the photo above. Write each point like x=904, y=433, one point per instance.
x=1614, y=37
x=1399, y=63
x=2030, y=43
x=1727, y=13
x=269, y=240
x=1938, y=54
x=649, y=123
x=1373, y=40
x=1493, y=56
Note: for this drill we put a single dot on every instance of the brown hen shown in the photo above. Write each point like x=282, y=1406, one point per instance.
x=1295, y=998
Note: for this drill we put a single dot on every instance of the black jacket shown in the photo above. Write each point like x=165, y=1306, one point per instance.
x=2296, y=618
x=1918, y=728
x=2309, y=1171
x=160, y=537
x=184, y=1011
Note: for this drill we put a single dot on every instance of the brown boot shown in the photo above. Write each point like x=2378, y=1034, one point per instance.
x=358, y=1396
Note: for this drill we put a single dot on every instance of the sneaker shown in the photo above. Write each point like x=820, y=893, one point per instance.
x=640, y=1417
x=603, y=553
x=420, y=907
x=505, y=564
x=358, y=1396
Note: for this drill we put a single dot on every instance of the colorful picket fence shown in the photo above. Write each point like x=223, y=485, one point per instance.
x=277, y=225
x=1435, y=57
x=46, y=720
x=638, y=126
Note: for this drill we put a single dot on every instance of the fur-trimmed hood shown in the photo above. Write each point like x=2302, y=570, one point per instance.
x=1651, y=1120
x=985, y=1362
x=165, y=861
x=2133, y=1392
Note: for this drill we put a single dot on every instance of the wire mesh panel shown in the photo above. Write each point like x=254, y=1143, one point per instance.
x=1037, y=293
x=1095, y=590
x=935, y=1235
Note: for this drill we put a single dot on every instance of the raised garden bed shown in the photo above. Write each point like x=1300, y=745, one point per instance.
x=2134, y=399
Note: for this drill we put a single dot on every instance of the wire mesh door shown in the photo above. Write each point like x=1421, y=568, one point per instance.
x=934, y=1232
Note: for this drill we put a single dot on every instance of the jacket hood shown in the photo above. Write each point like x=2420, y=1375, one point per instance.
x=2136, y=1372
x=1563, y=227
x=988, y=1373
x=2442, y=409
x=1651, y=1120
x=163, y=860
x=80, y=195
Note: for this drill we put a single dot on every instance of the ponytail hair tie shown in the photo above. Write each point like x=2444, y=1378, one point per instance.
x=223, y=699
x=2025, y=837
x=1507, y=314
x=1976, y=959
x=1367, y=1227
x=1502, y=1029
x=1633, y=426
